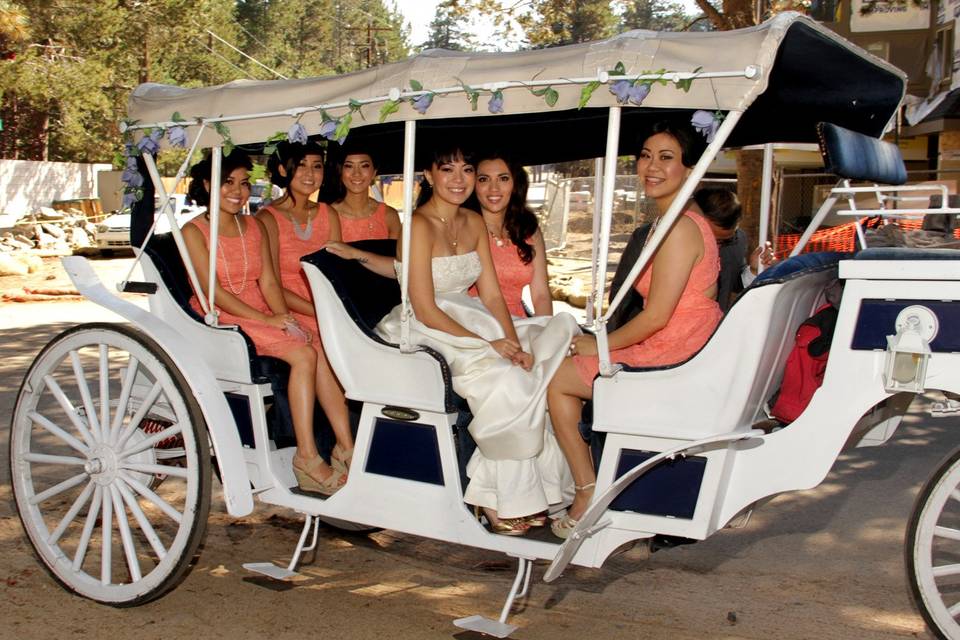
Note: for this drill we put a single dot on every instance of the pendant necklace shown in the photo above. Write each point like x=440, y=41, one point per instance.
x=226, y=266
x=446, y=228
x=500, y=240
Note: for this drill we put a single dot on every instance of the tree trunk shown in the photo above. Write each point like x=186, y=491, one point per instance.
x=749, y=178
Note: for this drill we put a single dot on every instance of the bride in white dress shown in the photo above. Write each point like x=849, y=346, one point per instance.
x=500, y=365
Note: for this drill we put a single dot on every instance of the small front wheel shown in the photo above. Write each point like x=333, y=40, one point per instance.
x=110, y=465
x=932, y=549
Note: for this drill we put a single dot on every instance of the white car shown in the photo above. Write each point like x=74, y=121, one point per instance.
x=113, y=233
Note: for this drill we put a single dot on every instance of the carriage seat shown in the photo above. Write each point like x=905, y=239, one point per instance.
x=724, y=386
x=350, y=301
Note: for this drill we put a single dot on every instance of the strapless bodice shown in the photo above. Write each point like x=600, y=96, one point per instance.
x=452, y=273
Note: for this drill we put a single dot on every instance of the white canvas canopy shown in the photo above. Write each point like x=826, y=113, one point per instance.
x=790, y=71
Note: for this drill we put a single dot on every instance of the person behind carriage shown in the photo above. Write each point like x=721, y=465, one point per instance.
x=297, y=226
x=361, y=216
x=679, y=287
x=249, y=295
x=516, y=244
x=498, y=364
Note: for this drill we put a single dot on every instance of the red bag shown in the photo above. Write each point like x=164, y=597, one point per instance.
x=806, y=365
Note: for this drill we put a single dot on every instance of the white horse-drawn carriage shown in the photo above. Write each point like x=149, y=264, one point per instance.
x=117, y=427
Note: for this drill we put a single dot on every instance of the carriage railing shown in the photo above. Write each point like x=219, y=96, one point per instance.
x=884, y=194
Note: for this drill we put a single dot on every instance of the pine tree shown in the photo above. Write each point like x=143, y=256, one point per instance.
x=447, y=30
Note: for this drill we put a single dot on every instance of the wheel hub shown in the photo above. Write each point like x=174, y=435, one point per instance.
x=102, y=465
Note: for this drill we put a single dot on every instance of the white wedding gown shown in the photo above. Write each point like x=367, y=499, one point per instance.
x=518, y=468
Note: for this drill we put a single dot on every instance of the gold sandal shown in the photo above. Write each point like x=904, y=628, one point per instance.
x=510, y=526
x=537, y=520
x=341, y=458
x=328, y=486
x=563, y=527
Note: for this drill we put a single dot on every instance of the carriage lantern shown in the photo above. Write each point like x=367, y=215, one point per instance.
x=909, y=350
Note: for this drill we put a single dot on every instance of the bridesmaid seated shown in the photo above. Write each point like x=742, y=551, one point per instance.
x=680, y=312
x=361, y=216
x=516, y=244
x=297, y=226
x=248, y=294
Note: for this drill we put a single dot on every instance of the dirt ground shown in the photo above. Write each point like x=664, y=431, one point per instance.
x=825, y=563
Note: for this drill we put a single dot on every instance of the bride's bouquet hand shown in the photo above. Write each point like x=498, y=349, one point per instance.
x=506, y=347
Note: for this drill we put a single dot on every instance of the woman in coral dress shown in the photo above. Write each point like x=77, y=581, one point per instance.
x=248, y=294
x=297, y=226
x=679, y=287
x=361, y=216
x=516, y=244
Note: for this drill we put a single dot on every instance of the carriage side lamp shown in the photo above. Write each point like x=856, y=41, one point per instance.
x=908, y=352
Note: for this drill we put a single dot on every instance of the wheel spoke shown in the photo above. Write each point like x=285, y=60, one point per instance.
x=946, y=532
x=57, y=431
x=88, y=528
x=159, y=502
x=141, y=518
x=71, y=514
x=50, y=459
x=81, y=378
x=68, y=407
x=148, y=401
x=104, y=390
x=143, y=445
x=125, y=390
x=124, y=525
x=945, y=570
x=106, y=540
x=58, y=488
x=156, y=469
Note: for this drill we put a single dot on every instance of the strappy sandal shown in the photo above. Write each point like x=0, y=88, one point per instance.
x=328, y=486
x=341, y=458
x=563, y=527
x=510, y=526
x=537, y=520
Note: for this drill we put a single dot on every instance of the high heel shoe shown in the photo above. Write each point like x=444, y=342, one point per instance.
x=341, y=458
x=328, y=486
x=504, y=526
x=563, y=527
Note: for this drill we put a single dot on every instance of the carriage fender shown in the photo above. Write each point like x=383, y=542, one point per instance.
x=203, y=383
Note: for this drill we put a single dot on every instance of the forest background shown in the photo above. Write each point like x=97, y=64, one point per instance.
x=67, y=67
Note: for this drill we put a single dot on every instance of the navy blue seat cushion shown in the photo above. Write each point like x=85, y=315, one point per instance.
x=799, y=265
x=907, y=253
x=856, y=156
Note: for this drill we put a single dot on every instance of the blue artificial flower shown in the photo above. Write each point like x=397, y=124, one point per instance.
x=706, y=122
x=151, y=143
x=132, y=178
x=297, y=133
x=422, y=103
x=496, y=102
x=621, y=89
x=328, y=128
x=131, y=163
x=177, y=136
x=386, y=180
x=128, y=199
x=638, y=93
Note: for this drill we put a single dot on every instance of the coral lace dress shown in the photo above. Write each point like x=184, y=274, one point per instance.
x=690, y=326
x=512, y=274
x=238, y=270
x=291, y=247
x=373, y=227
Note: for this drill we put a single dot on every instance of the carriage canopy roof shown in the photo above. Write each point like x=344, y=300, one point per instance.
x=787, y=74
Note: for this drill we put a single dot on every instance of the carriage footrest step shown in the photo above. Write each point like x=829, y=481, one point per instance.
x=486, y=626
x=271, y=570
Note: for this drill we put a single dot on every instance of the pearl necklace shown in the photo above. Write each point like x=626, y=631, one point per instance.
x=226, y=267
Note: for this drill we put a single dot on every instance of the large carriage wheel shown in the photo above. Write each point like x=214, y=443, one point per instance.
x=110, y=465
x=933, y=549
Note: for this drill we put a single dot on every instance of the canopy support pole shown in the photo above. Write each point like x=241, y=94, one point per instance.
x=409, y=152
x=595, y=289
x=216, y=161
x=766, y=188
x=658, y=234
x=606, y=216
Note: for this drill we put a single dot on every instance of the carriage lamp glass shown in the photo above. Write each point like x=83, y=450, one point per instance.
x=908, y=352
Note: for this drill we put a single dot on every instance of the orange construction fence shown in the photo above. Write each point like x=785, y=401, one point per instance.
x=839, y=238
